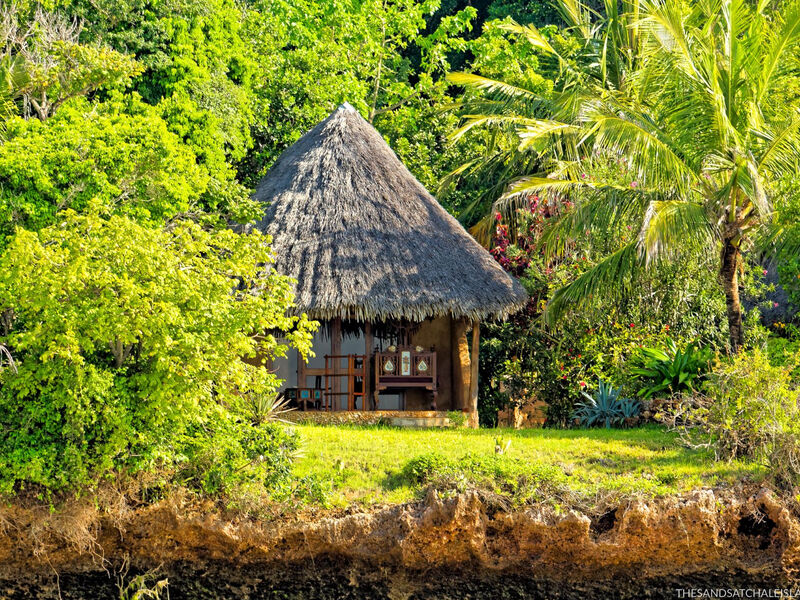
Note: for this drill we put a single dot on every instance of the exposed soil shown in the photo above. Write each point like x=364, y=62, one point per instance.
x=454, y=548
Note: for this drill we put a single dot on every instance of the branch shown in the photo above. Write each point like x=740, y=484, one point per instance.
x=395, y=106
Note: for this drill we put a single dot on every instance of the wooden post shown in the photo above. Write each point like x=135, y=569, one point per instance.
x=367, y=398
x=336, y=350
x=473, y=378
x=301, y=370
x=460, y=363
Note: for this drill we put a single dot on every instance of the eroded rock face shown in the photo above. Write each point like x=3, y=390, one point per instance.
x=704, y=532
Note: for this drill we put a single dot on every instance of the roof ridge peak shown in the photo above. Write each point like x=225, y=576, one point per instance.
x=346, y=107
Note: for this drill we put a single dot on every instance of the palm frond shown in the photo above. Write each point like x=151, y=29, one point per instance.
x=533, y=133
x=600, y=209
x=576, y=15
x=648, y=147
x=533, y=35
x=777, y=240
x=785, y=40
x=484, y=230
x=782, y=153
x=608, y=278
x=669, y=226
x=510, y=121
x=492, y=86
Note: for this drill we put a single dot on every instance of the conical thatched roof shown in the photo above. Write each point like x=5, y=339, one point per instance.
x=365, y=240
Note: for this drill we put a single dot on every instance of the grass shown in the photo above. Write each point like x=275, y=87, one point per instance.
x=387, y=465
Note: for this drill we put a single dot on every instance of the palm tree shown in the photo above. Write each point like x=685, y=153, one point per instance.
x=519, y=115
x=703, y=126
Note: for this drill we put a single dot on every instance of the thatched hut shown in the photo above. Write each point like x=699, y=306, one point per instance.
x=395, y=279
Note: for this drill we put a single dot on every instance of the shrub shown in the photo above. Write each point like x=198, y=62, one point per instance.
x=127, y=344
x=670, y=370
x=749, y=411
x=422, y=467
x=228, y=453
x=457, y=418
x=783, y=349
x=750, y=405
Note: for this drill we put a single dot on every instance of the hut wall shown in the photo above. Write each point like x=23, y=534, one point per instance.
x=436, y=333
x=446, y=335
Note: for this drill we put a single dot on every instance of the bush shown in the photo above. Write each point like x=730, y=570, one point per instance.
x=234, y=453
x=127, y=344
x=783, y=349
x=457, y=418
x=751, y=403
x=670, y=370
x=677, y=300
x=749, y=411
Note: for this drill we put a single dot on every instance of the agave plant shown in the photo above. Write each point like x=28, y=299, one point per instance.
x=605, y=407
x=630, y=408
x=671, y=370
x=261, y=408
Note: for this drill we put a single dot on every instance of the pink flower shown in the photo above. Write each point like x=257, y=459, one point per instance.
x=498, y=216
x=764, y=272
x=634, y=184
x=774, y=305
x=583, y=175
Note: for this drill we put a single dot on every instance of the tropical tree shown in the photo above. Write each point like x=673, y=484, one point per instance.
x=125, y=341
x=700, y=136
x=595, y=49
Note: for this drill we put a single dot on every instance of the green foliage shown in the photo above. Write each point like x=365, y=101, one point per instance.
x=118, y=155
x=654, y=83
x=784, y=350
x=786, y=233
x=6, y=360
x=671, y=370
x=197, y=68
x=751, y=411
x=226, y=453
x=49, y=65
x=147, y=586
x=13, y=79
x=394, y=78
x=128, y=342
x=457, y=418
x=261, y=408
x=523, y=360
x=75, y=70
x=605, y=407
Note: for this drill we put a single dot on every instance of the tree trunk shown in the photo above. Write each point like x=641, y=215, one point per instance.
x=729, y=273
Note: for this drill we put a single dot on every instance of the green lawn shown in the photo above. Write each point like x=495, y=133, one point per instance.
x=366, y=464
